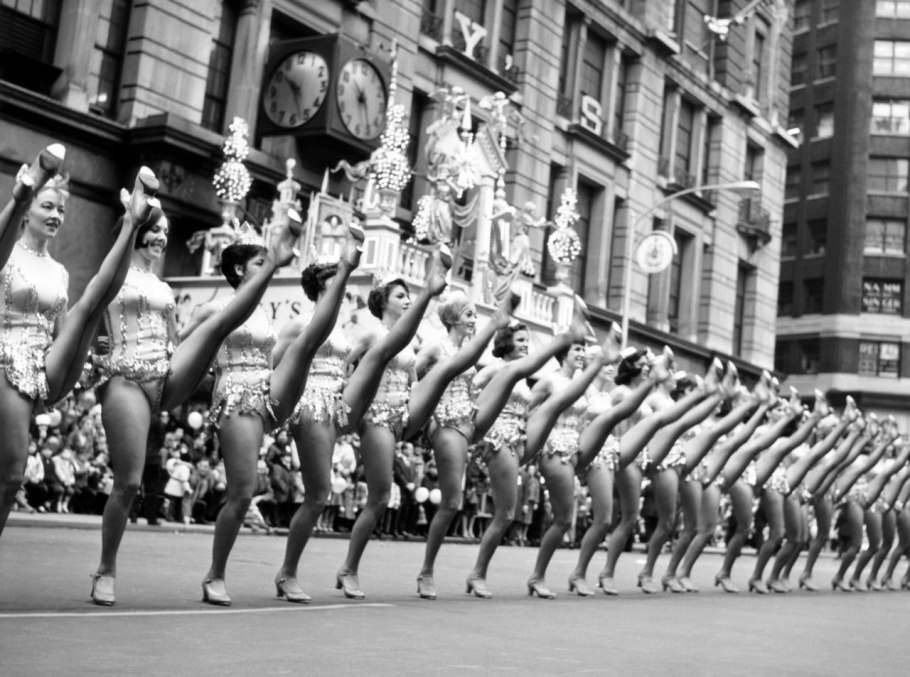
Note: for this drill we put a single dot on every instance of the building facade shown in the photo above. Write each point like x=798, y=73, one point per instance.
x=843, y=319
x=626, y=101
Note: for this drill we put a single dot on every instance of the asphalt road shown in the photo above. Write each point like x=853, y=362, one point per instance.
x=159, y=626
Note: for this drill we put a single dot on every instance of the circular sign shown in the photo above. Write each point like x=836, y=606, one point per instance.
x=655, y=252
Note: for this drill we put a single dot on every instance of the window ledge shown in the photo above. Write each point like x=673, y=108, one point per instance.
x=786, y=137
x=495, y=81
x=748, y=104
x=664, y=41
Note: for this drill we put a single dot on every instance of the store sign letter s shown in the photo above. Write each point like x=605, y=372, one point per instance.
x=591, y=114
x=472, y=32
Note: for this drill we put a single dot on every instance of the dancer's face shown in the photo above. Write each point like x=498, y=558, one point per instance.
x=45, y=214
x=398, y=301
x=251, y=266
x=608, y=372
x=154, y=240
x=576, y=356
x=520, y=340
x=467, y=321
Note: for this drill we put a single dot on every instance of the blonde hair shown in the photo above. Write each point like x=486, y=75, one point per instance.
x=451, y=308
x=59, y=183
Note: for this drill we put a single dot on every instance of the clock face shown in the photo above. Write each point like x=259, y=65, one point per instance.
x=655, y=252
x=296, y=89
x=361, y=99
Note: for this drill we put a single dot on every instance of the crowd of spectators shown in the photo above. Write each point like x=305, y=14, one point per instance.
x=68, y=470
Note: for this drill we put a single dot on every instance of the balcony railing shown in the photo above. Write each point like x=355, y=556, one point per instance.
x=754, y=222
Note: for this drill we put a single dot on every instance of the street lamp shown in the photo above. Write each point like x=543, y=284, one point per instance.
x=734, y=186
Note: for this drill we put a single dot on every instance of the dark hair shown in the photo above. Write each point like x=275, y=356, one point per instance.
x=683, y=385
x=504, y=339
x=561, y=354
x=237, y=255
x=379, y=297
x=628, y=368
x=313, y=277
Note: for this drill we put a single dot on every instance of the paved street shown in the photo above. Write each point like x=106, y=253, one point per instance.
x=47, y=625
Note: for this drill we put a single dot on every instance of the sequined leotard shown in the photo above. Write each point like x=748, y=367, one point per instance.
x=137, y=327
x=456, y=406
x=243, y=370
x=389, y=408
x=32, y=295
x=508, y=430
x=322, y=399
x=563, y=439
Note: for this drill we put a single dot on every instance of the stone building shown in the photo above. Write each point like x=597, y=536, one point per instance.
x=626, y=101
x=843, y=317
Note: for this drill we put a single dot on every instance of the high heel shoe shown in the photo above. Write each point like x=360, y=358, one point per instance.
x=213, y=592
x=537, y=587
x=838, y=584
x=647, y=584
x=31, y=178
x=103, y=589
x=426, y=586
x=477, y=587
x=687, y=584
x=349, y=585
x=805, y=583
x=287, y=587
x=874, y=585
x=606, y=584
x=725, y=584
x=580, y=587
x=672, y=584
x=778, y=586
x=857, y=585
x=758, y=586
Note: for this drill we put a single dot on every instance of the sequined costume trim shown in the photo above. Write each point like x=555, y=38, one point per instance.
x=244, y=393
x=699, y=473
x=675, y=460
x=859, y=493
x=393, y=417
x=880, y=506
x=563, y=442
x=750, y=474
x=149, y=376
x=778, y=481
x=321, y=405
x=608, y=456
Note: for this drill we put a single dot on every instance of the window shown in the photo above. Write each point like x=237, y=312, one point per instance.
x=678, y=277
x=829, y=11
x=810, y=355
x=709, y=160
x=891, y=57
x=788, y=240
x=507, y=20
x=893, y=9
x=791, y=185
x=824, y=121
x=753, y=165
x=29, y=27
x=107, y=57
x=696, y=38
x=820, y=174
x=891, y=117
x=799, y=69
x=879, y=358
x=592, y=66
x=827, y=62
x=219, y=76
x=882, y=296
x=885, y=236
x=586, y=194
x=743, y=279
x=818, y=237
x=622, y=80
x=781, y=356
x=814, y=295
x=564, y=84
x=684, y=132
x=547, y=264
x=802, y=15
x=887, y=174
x=475, y=10
x=760, y=60
x=795, y=122
x=785, y=298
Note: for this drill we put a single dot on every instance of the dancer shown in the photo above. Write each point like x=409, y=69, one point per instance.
x=142, y=373
x=387, y=372
x=639, y=437
x=43, y=349
x=878, y=518
x=256, y=389
x=889, y=505
x=902, y=524
x=706, y=515
x=558, y=456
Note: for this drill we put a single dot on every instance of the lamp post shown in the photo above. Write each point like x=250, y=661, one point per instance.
x=734, y=186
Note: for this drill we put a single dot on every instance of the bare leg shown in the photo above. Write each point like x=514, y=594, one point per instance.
x=889, y=530
x=600, y=487
x=709, y=518
x=628, y=485
x=873, y=521
x=377, y=445
x=772, y=504
x=450, y=449
x=594, y=435
x=666, y=437
x=15, y=414
x=690, y=495
x=315, y=444
x=241, y=436
x=792, y=519
x=741, y=499
x=802, y=543
x=903, y=545
x=560, y=479
x=503, y=468
x=853, y=527
x=665, y=485
x=823, y=514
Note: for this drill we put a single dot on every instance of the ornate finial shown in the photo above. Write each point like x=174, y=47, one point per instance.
x=288, y=189
x=389, y=163
x=232, y=180
x=564, y=245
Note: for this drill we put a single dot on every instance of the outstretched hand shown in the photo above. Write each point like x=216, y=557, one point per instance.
x=30, y=179
x=441, y=262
